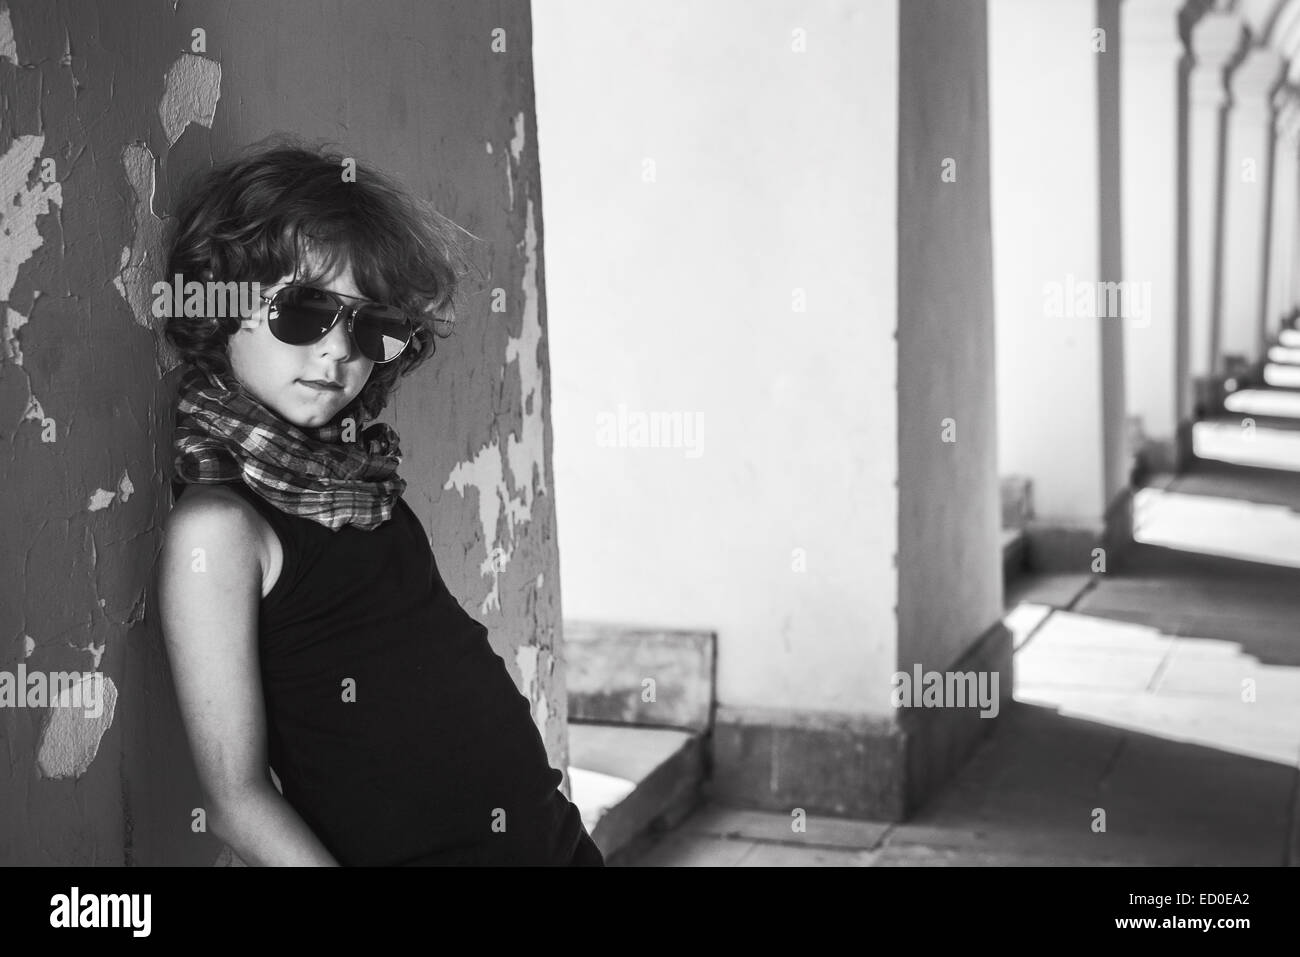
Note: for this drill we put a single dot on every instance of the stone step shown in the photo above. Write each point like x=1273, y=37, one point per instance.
x=609, y=666
x=629, y=781
x=640, y=705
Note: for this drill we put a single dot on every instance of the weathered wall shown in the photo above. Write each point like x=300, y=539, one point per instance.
x=115, y=94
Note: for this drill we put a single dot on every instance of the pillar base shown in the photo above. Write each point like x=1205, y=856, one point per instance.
x=1157, y=455
x=1058, y=547
x=1184, y=446
x=1172, y=455
x=880, y=768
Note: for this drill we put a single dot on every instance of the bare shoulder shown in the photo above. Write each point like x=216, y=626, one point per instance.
x=218, y=515
x=216, y=509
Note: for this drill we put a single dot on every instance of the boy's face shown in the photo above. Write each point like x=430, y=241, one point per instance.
x=276, y=373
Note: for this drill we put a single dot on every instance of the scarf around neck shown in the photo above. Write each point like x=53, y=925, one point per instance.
x=223, y=433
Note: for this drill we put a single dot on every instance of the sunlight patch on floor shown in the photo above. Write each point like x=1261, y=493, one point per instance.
x=1217, y=526
x=1264, y=402
x=1191, y=690
x=1247, y=444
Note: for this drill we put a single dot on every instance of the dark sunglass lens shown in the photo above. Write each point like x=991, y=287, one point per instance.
x=301, y=314
x=382, y=332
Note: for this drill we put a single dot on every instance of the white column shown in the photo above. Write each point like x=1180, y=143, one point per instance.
x=1293, y=283
x=1292, y=290
x=1149, y=105
x=1247, y=179
x=1059, y=352
x=1286, y=193
x=1215, y=38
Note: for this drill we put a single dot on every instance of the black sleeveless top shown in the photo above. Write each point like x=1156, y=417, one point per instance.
x=393, y=726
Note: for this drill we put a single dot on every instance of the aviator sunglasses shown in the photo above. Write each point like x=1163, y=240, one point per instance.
x=301, y=314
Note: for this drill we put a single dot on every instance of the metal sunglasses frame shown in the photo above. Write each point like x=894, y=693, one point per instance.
x=342, y=307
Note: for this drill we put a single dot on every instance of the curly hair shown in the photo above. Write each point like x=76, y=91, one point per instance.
x=254, y=218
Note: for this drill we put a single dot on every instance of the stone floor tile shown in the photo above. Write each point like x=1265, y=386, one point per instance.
x=819, y=830
x=795, y=855
x=695, y=850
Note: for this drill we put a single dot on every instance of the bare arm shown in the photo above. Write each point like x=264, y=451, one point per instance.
x=209, y=575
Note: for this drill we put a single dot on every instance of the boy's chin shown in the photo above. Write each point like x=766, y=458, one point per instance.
x=308, y=416
x=314, y=421
x=302, y=418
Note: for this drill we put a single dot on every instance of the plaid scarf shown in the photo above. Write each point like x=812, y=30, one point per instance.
x=223, y=433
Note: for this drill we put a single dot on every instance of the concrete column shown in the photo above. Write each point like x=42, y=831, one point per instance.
x=1284, y=219
x=1291, y=292
x=1054, y=79
x=1215, y=40
x=1293, y=283
x=1152, y=117
x=1247, y=180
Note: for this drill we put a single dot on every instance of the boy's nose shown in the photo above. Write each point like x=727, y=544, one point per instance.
x=338, y=341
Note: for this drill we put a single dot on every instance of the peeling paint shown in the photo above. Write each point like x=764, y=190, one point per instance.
x=34, y=411
x=70, y=738
x=20, y=208
x=100, y=498
x=13, y=320
x=141, y=263
x=103, y=498
x=191, y=91
x=526, y=660
x=8, y=48
x=524, y=454
x=516, y=150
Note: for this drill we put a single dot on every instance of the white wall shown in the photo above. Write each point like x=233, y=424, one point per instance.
x=776, y=171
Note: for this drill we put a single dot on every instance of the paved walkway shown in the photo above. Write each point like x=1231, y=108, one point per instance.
x=1164, y=694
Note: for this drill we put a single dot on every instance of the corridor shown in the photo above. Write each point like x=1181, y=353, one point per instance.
x=1165, y=694
x=1058, y=329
